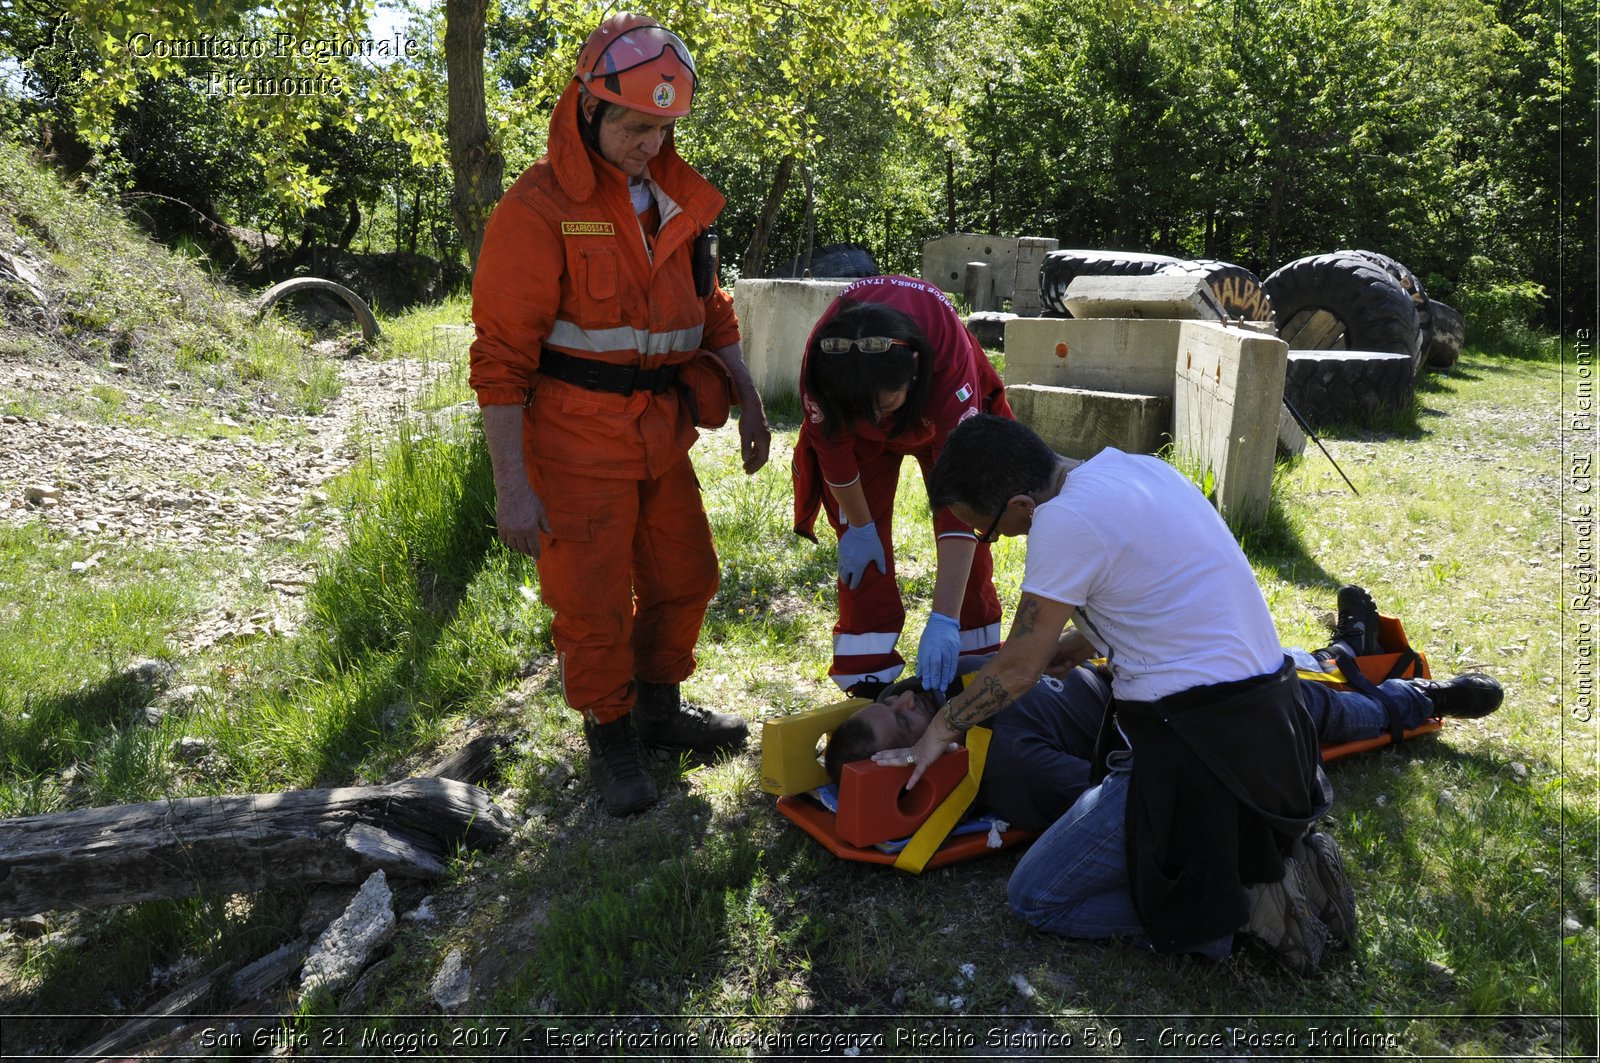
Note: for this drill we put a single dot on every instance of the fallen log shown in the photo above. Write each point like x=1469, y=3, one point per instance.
x=122, y=854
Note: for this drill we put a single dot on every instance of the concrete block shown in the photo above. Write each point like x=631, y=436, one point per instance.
x=775, y=317
x=1134, y=356
x=977, y=287
x=1226, y=403
x=1080, y=423
x=1161, y=295
x=945, y=258
x=1031, y=251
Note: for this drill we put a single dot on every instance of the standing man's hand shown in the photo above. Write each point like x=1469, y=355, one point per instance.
x=520, y=517
x=755, y=436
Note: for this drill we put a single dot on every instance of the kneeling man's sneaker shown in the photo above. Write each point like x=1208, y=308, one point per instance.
x=1282, y=919
x=1328, y=888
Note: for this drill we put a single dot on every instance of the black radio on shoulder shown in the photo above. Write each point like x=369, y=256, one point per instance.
x=707, y=262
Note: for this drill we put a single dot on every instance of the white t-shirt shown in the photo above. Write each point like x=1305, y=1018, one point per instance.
x=1160, y=586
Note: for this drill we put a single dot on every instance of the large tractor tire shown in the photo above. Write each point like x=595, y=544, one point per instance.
x=1341, y=303
x=1061, y=268
x=1238, y=291
x=1348, y=387
x=300, y=285
x=1448, y=336
x=1412, y=285
x=831, y=261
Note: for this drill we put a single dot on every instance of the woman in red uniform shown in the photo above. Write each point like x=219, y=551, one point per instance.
x=890, y=370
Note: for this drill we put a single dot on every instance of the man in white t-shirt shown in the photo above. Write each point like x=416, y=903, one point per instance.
x=1212, y=780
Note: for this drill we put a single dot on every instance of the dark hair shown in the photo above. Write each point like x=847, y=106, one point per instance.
x=845, y=386
x=851, y=740
x=987, y=460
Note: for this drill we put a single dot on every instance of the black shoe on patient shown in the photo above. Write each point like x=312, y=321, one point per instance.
x=1357, y=624
x=1466, y=696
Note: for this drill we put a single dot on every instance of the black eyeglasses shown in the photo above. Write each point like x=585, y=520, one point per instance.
x=864, y=344
x=990, y=535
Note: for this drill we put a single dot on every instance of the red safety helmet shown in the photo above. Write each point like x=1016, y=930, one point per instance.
x=632, y=61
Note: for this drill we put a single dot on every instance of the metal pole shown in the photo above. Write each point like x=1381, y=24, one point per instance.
x=1306, y=428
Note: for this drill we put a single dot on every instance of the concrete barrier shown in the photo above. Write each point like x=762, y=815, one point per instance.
x=1080, y=423
x=1167, y=296
x=1137, y=357
x=1224, y=386
x=1228, y=394
x=945, y=258
x=775, y=317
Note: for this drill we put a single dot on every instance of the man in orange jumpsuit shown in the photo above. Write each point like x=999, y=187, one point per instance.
x=590, y=327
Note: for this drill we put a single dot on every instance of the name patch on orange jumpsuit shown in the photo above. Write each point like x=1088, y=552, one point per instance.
x=588, y=228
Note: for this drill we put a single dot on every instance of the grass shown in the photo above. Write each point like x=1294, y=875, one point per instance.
x=1473, y=852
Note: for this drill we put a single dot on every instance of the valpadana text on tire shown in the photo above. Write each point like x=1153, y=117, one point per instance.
x=1412, y=285
x=300, y=285
x=1061, y=268
x=1238, y=291
x=1341, y=303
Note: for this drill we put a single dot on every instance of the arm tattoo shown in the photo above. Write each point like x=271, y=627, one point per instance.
x=978, y=705
x=1027, y=615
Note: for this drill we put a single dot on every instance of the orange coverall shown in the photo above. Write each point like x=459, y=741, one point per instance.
x=628, y=567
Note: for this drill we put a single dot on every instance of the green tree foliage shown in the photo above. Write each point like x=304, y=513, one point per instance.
x=1451, y=134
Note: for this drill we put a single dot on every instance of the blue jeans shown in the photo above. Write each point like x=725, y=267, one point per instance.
x=1073, y=881
x=1349, y=715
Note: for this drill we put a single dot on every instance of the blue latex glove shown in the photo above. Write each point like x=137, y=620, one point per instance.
x=938, y=651
x=858, y=548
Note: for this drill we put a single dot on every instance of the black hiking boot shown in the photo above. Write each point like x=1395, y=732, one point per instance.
x=615, y=767
x=1466, y=696
x=662, y=719
x=1357, y=625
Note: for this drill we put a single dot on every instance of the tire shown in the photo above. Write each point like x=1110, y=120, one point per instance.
x=1238, y=291
x=989, y=326
x=1341, y=303
x=1448, y=335
x=300, y=285
x=1061, y=268
x=1348, y=387
x=1411, y=284
x=833, y=260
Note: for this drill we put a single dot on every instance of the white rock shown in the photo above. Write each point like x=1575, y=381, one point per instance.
x=1022, y=985
x=350, y=941
x=452, y=983
x=969, y=971
x=423, y=912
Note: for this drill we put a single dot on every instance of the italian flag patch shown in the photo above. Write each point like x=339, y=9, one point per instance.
x=964, y=393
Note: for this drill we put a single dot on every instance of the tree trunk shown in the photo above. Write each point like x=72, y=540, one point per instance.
x=475, y=163
x=123, y=854
x=809, y=229
x=750, y=265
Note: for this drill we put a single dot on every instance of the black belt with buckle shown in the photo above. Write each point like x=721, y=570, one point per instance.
x=595, y=375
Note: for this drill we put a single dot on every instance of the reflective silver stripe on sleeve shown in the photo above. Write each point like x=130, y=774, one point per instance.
x=566, y=334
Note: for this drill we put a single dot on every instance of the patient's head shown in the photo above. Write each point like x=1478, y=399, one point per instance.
x=896, y=720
